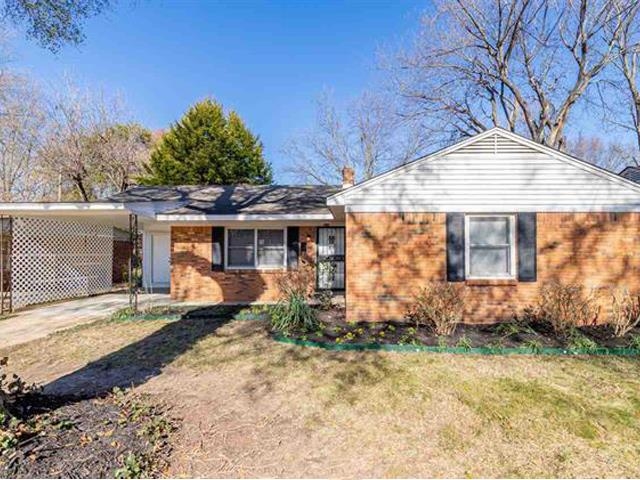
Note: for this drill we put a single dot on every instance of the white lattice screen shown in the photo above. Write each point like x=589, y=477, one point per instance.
x=53, y=260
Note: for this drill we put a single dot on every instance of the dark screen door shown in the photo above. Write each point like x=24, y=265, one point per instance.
x=331, y=250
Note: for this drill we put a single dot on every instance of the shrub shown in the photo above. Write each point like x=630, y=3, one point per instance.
x=625, y=312
x=325, y=299
x=132, y=467
x=634, y=342
x=295, y=282
x=293, y=313
x=439, y=306
x=514, y=328
x=464, y=343
x=293, y=310
x=123, y=314
x=534, y=345
x=13, y=390
x=580, y=343
x=14, y=393
x=565, y=306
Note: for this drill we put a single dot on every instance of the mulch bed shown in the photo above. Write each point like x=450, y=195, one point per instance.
x=120, y=435
x=334, y=329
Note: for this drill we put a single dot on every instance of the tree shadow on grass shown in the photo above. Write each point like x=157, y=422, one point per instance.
x=144, y=359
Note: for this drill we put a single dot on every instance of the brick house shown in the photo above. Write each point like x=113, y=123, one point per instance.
x=496, y=212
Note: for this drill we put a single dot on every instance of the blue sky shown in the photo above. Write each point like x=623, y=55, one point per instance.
x=267, y=60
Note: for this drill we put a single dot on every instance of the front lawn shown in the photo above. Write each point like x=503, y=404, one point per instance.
x=252, y=407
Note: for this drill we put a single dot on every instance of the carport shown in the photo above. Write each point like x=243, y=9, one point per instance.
x=56, y=251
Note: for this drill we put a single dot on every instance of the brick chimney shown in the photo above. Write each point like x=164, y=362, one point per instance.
x=348, y=177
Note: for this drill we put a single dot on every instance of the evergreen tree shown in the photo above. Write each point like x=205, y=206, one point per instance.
x=206, y=147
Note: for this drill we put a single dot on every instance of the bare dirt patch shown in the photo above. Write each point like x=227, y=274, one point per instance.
x=62, y=437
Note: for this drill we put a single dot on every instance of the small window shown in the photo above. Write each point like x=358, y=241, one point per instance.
x=490, y=246
x=270, y=248
x=241, y=249
x=256, y=248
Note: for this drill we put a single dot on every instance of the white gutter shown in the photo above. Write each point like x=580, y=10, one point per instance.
x=242, y=217
x=59, y=206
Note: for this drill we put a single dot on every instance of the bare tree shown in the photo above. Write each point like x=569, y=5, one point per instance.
x=610, y=154
x=22, y=121
x=621, y=93
x=120, y=151
x=368, y=136
x=90, y=146
x=318, y=155
x=520, y=64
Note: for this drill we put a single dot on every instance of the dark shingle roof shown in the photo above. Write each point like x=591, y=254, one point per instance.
x=234, y=199
x=631, y=173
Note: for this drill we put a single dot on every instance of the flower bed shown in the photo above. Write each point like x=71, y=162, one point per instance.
x=514, y=337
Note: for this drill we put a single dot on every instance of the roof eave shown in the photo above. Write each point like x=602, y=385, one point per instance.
x=61, y=207
x=177, y=218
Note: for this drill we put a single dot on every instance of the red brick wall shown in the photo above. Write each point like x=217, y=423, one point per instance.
x=390, y=256
x=193, y=279
x=120, y=266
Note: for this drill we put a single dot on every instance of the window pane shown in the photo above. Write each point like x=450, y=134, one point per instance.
x=270, y=238
x=489, y=262
x=241, y=248
x=271, y=248
x=489, y=231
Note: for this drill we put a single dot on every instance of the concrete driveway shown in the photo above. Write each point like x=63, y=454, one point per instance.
x=38, y=322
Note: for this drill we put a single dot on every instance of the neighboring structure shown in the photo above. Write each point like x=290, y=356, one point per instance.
x=632, y=173
x=495, y=212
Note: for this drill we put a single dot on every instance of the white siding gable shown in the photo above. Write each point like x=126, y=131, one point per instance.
x=493, y=172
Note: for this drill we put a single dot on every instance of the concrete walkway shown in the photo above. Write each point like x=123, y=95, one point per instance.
x=39, y=322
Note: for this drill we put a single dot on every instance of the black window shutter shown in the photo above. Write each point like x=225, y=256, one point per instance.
x=217, y=249
x=293, y=247
x=455, y=247
x=527, y=261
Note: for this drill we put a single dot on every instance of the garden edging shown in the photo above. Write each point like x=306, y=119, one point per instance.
x=621, y=351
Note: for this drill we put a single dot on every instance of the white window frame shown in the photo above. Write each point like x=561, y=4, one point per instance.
x=255, y=249
x=512, y=247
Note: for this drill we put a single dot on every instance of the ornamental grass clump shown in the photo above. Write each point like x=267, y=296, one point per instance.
x=565, y=306
x=439, y=307
x=625, y=312
x=293, y=312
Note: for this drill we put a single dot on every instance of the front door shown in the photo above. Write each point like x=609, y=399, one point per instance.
x=331, y=250
x=161, y=252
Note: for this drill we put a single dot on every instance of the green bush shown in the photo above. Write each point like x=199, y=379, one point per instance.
x=464, y=343
x=325, y=299
x=534, y=345
x=122, y=314
x=132, y=467
x=293, y=313
x=634, y=342
x=439, y=307
x=579, y=342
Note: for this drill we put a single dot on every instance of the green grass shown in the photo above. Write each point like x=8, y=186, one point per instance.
x=507, y=400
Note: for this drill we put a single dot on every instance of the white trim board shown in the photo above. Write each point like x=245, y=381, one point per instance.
x=491, y=208
x=242, y=217
x=62, y=207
